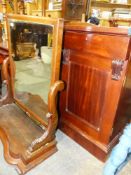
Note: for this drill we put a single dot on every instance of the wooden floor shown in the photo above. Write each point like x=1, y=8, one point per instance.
x=35, y=103
x=19, y=128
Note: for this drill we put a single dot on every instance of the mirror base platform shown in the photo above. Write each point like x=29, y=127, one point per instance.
x=17, y=132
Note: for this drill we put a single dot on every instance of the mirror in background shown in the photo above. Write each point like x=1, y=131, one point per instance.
x=32, y=54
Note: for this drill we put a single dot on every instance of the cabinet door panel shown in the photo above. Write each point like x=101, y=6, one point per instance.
x=87, y=106
x=89, y=85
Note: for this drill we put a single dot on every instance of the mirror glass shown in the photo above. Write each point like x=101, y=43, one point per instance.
x=31, y=50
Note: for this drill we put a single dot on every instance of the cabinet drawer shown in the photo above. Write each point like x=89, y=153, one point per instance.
x=53, y=13
x=36, y=12
x=108, y=46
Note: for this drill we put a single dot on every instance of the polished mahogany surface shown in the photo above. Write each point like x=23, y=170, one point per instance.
x=94, y=68
x=3, y=54
x=30, y=83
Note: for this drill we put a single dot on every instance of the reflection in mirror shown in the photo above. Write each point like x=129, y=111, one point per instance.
x=32, y=53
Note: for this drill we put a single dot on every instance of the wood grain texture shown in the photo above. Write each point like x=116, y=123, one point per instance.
x=90, y=102
x=29, y=138
x=6, y=80
x=98, y=44
x=4, y=53
x=87, y=106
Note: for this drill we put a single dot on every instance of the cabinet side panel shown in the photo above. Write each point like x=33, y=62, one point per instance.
x=123, y=114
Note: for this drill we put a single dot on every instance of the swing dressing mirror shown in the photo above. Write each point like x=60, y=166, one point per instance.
x=31, y=51
x=31, y=76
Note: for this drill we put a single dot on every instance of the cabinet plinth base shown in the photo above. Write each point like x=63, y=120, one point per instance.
x=93, y=148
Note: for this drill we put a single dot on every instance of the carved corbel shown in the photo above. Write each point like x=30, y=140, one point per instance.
x=52, y=117
x=117, y=67
x=66, y=55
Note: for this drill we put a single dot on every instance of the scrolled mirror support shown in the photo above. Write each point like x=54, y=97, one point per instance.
x=6, y=81
x=52, y=117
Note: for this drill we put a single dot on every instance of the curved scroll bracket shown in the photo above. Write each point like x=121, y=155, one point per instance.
x=6, y=82
x=52, y=117
x=117, y=67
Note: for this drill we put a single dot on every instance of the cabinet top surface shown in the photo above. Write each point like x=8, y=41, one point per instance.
x=86, y=27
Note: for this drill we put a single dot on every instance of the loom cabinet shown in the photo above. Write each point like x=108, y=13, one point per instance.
x=94, y=107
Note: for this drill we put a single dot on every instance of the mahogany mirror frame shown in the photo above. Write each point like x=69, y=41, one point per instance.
x=47, y=141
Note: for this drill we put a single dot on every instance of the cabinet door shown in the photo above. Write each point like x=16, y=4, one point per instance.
x=94, y=81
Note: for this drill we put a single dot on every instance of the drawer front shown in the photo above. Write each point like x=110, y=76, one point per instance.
x=53, y=14
x=36, y=13
x=108, y=46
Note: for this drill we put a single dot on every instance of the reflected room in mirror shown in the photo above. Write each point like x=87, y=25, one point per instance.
x=31, y=46
x=31, y=77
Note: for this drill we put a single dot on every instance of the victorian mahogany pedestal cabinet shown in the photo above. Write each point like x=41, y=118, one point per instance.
x=28, y=115
x=96, y=68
